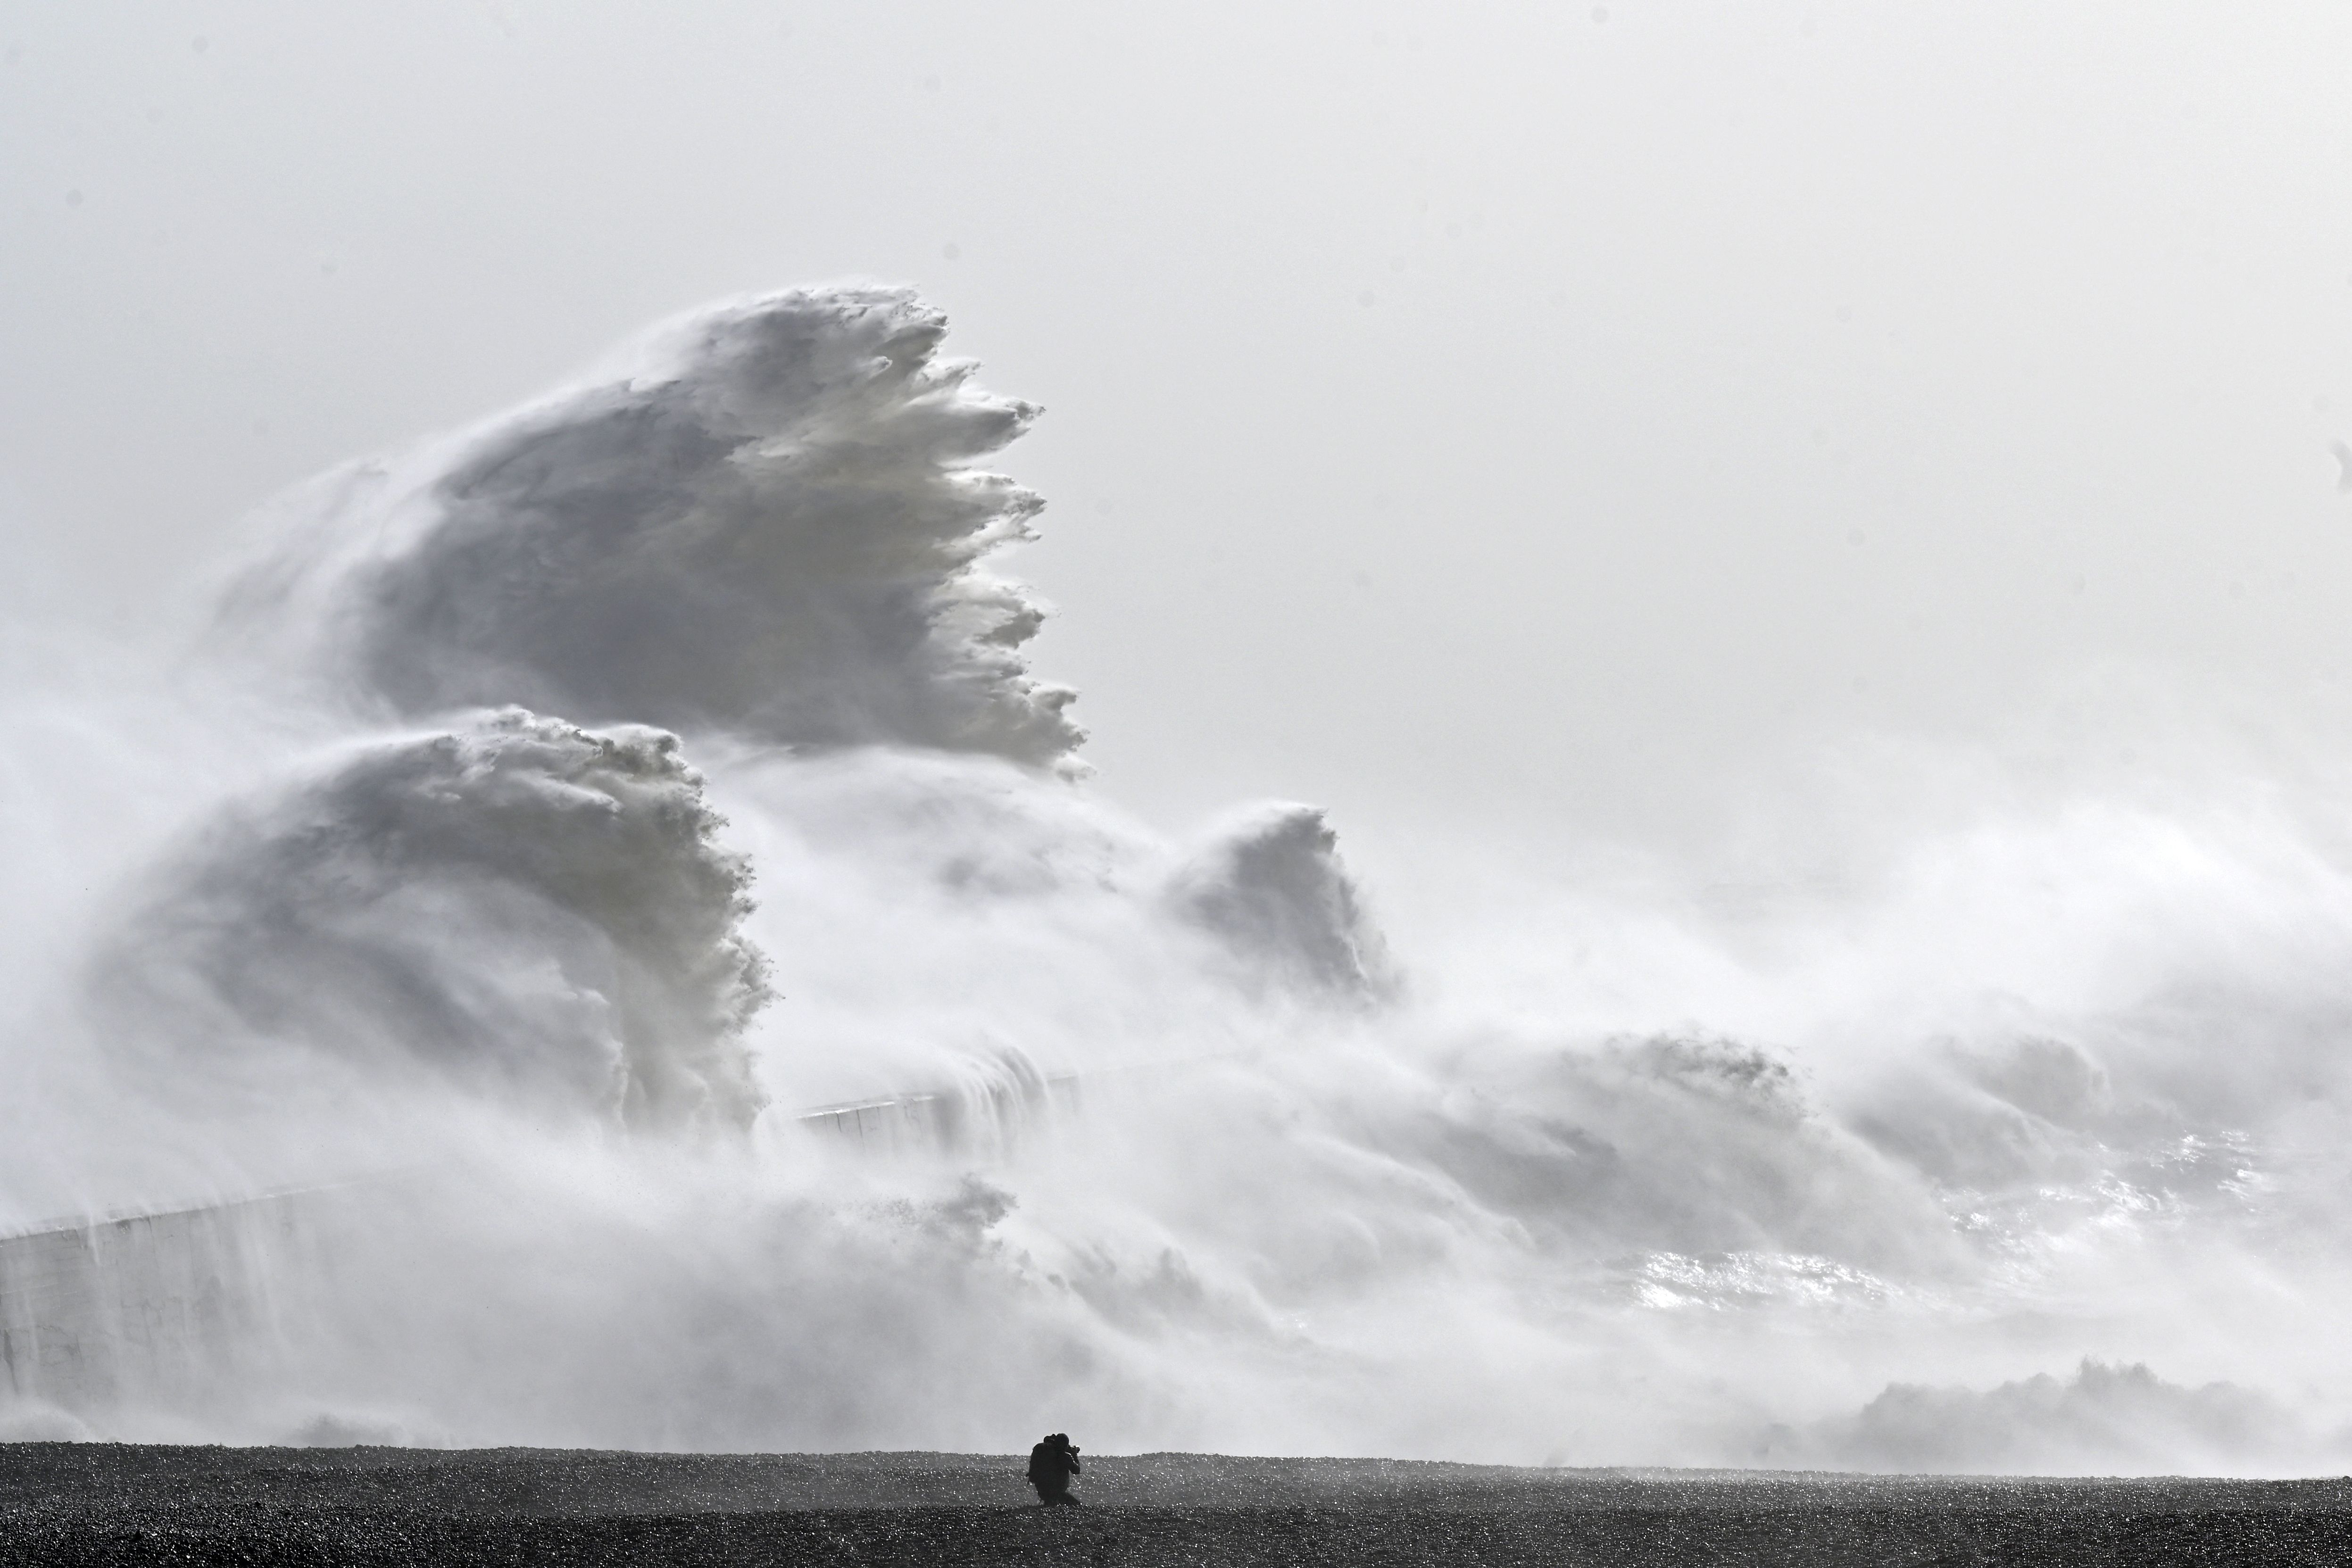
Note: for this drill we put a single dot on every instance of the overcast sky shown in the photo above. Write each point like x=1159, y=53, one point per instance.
x=1534, y=415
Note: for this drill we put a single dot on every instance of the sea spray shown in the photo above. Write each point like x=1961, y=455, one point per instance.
x=1267, y=883
x=1602, y=1176
x=767, y=519
x=536, y=911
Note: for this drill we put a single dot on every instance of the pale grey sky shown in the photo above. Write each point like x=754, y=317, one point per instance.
x=1533, y=415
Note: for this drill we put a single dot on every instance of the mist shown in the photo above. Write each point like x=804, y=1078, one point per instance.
x=1663, y=788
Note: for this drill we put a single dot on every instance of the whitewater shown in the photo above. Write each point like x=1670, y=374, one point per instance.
x=606, y=942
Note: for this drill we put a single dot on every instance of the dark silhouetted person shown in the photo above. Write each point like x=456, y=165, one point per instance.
x=1052, y=1465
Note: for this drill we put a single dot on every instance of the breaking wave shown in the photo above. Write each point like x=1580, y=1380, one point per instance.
x=1269, y=886
x=535, y=911
x=767, y=520
x=433, y=1041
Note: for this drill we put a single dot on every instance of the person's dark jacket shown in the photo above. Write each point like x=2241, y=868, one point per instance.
x=1051, y=1465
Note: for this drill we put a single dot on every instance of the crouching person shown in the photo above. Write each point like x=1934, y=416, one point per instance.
x=1052, y=1465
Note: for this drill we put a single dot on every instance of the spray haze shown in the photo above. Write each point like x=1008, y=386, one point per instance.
x=1190, y=1153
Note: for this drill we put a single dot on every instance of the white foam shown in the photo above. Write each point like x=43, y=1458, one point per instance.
x=1606, y=1173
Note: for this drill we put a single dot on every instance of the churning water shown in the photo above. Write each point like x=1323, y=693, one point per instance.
x=608, y=942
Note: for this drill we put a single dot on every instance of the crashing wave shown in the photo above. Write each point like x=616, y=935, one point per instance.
x=770, y=523
x=2045, y=1092
x=519, y=905
x=1268, y=885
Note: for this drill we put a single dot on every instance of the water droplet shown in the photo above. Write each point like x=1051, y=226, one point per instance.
x=951, y=250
